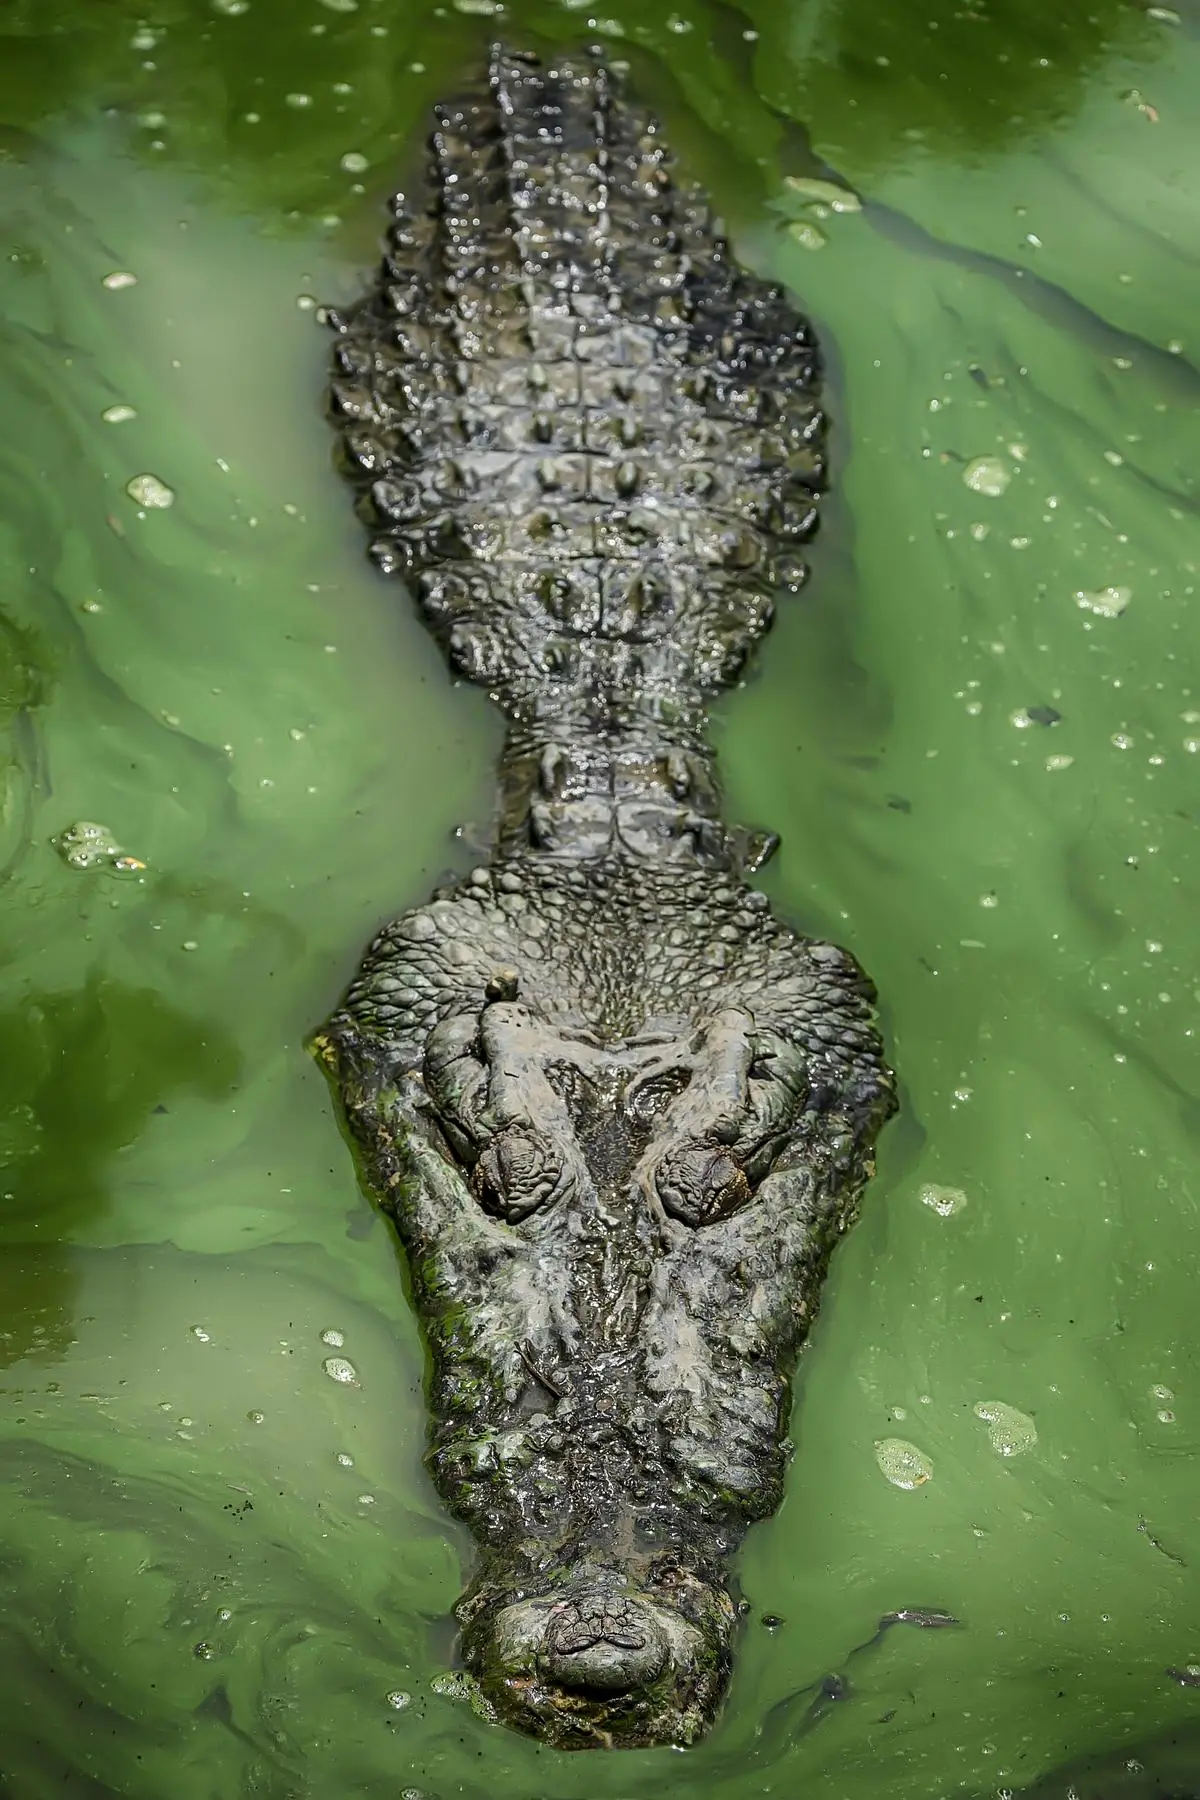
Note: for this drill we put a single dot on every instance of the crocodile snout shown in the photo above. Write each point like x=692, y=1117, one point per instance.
x=605, y=1655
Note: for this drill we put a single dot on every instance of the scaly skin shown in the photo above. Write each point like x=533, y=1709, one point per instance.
x=618, y=1112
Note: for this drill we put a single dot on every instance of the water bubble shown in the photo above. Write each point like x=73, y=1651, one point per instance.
x=1159, y=1392
x=204, y=1651
x=335, y=1339
x=118, y=415
x=120, y=278
x=1056, y=763
x=453, y=1685
x=987, y=475
x=298, y=101
x=903, y=1464
x=338, y=1369
x=1109, y=602
x=201, y=1336
x=150, y=491
x=824, y=193
x=255, y=1417
x=1011, y=1432
x=344, y=1460
x=87, y=845
x=945, y=1201
x=806, y=234
x=398, y=1699
x=354, y=162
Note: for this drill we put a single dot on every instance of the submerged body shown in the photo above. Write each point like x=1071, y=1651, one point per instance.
x=618, y=1112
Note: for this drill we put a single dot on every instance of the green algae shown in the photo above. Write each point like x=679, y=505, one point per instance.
x=984, y=774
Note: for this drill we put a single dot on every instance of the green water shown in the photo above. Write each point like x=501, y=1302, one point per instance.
x=218, y=1564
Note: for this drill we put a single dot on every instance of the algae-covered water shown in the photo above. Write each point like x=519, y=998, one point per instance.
x=224, y=1572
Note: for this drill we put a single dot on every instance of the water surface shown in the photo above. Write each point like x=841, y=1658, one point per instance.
x=977, y=731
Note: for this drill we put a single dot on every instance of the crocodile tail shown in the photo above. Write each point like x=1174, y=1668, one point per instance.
x=588, y=441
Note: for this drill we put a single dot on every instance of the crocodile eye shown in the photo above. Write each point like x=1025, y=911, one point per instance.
x=701, y=1183
x=646, y=1099
x=516, y=1174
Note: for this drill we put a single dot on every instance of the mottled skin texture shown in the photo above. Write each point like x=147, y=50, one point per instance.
x=619, y=1113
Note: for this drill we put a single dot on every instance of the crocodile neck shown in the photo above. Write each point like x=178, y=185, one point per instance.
x=639, y=788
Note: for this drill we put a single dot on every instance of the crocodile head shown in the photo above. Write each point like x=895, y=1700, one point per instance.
x=596, y=1653
x=616, y=1229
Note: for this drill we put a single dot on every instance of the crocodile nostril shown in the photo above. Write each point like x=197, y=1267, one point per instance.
x=598, y=1644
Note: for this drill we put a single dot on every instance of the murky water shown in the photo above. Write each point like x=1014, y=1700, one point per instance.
x=979, y=733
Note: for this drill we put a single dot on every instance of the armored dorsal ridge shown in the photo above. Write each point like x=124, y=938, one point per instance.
x=589, y=443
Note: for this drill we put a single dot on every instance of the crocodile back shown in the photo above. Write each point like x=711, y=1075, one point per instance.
x=588, y=441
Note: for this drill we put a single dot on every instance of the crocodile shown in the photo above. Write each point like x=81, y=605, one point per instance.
x=618, y=1112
